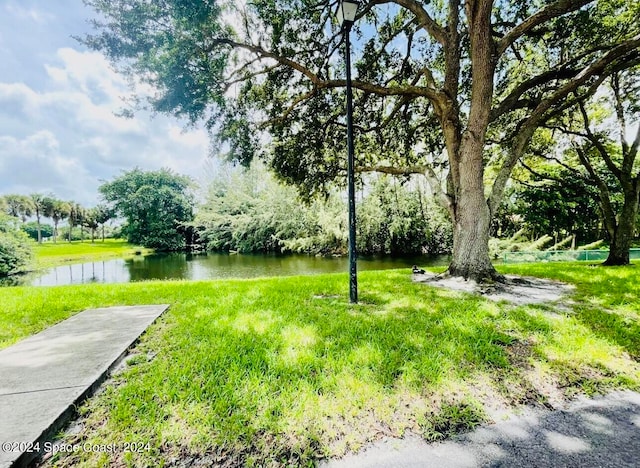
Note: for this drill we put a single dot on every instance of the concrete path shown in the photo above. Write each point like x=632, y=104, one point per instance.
x=44, y=376
x=603, y=432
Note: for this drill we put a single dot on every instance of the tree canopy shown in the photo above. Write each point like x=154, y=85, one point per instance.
x=156, y=204
x=439, y=85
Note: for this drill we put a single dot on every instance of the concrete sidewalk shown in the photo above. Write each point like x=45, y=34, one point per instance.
x=43, y=377
x=603, y=432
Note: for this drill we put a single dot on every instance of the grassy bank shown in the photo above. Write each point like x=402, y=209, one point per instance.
x=285, y=371
x=50, y=255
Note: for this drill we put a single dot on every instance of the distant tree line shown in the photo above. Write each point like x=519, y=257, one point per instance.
x=39, y=206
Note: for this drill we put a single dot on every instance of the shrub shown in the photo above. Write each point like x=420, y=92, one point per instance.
x=15, y=250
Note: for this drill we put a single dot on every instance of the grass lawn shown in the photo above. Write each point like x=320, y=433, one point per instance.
x=284, y=371
x=49, y=254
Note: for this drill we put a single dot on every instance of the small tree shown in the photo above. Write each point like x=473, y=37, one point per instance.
x=90, y=221
x=15, y=250
x=35, y=230
x=155, y=204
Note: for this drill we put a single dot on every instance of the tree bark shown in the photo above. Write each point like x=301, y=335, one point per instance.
x=472, y=218
x=624, y=230
x=39, y=228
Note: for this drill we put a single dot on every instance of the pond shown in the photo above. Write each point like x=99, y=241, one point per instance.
x=210, y=266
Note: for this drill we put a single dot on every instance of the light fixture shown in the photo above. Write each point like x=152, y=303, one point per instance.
x=346, y=13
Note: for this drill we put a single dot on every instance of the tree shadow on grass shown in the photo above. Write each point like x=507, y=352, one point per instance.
x=286, y=373
x=603, y=432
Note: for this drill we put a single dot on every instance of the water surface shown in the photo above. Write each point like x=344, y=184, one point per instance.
x=211, y=266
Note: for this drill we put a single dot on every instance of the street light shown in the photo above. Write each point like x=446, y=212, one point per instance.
x=346, y=16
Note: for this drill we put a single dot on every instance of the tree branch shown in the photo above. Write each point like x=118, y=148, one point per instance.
x=541, y=175
x=282, y=117
x=393, y=170
x=426, y=21
x=603, y=190
x=599, y=67
x=559, y=8
x=401, y=90
x=426, y=170
x=615, y=170
x=512, y=101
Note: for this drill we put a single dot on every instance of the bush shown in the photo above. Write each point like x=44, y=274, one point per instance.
x=15, y=250
x=31, y=229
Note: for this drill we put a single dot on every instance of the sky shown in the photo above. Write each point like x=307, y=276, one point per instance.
x=59, y=132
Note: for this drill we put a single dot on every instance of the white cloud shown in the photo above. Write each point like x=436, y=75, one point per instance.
x=65, y=137
x=193, y=138
x=33, y=14
x=35, y=164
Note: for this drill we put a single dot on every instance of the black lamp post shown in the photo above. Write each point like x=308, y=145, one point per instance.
x=346, y=15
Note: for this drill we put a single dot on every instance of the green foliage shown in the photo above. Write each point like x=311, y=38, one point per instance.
x=31, y=228
x=171, y=55
x=563, y=205
x=18, y=206
x=248, y=211
x=280, y=60
x=15, y=249
x=156, y=205
x=395, y=219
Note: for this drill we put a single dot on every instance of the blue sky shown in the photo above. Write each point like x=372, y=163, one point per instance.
x=58, y=129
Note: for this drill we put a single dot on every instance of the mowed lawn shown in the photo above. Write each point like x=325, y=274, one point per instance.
x=51, y=254
x=284, y=371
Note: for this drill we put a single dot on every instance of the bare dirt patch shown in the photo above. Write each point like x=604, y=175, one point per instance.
x=517, y=290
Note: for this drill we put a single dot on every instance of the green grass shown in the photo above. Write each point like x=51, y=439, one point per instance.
x=49, y=254
x=284, y=371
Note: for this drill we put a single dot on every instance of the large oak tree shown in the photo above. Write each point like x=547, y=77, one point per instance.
x=442, y=86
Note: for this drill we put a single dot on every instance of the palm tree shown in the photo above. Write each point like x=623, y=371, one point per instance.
x=90, y=221
x=19, y=206
x=37, y=201
x=57, y=210
x=103, y=214
x=76, y=215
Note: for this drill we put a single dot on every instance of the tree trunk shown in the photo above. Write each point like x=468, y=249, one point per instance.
x=471, y=213
x=623, y=231
x=472, y=218
x=39, y=230
x=470, y=243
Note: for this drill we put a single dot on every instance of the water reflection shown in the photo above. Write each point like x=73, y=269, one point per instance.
x=210, y=266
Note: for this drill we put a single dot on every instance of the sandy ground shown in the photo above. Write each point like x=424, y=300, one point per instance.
x=517, y=290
